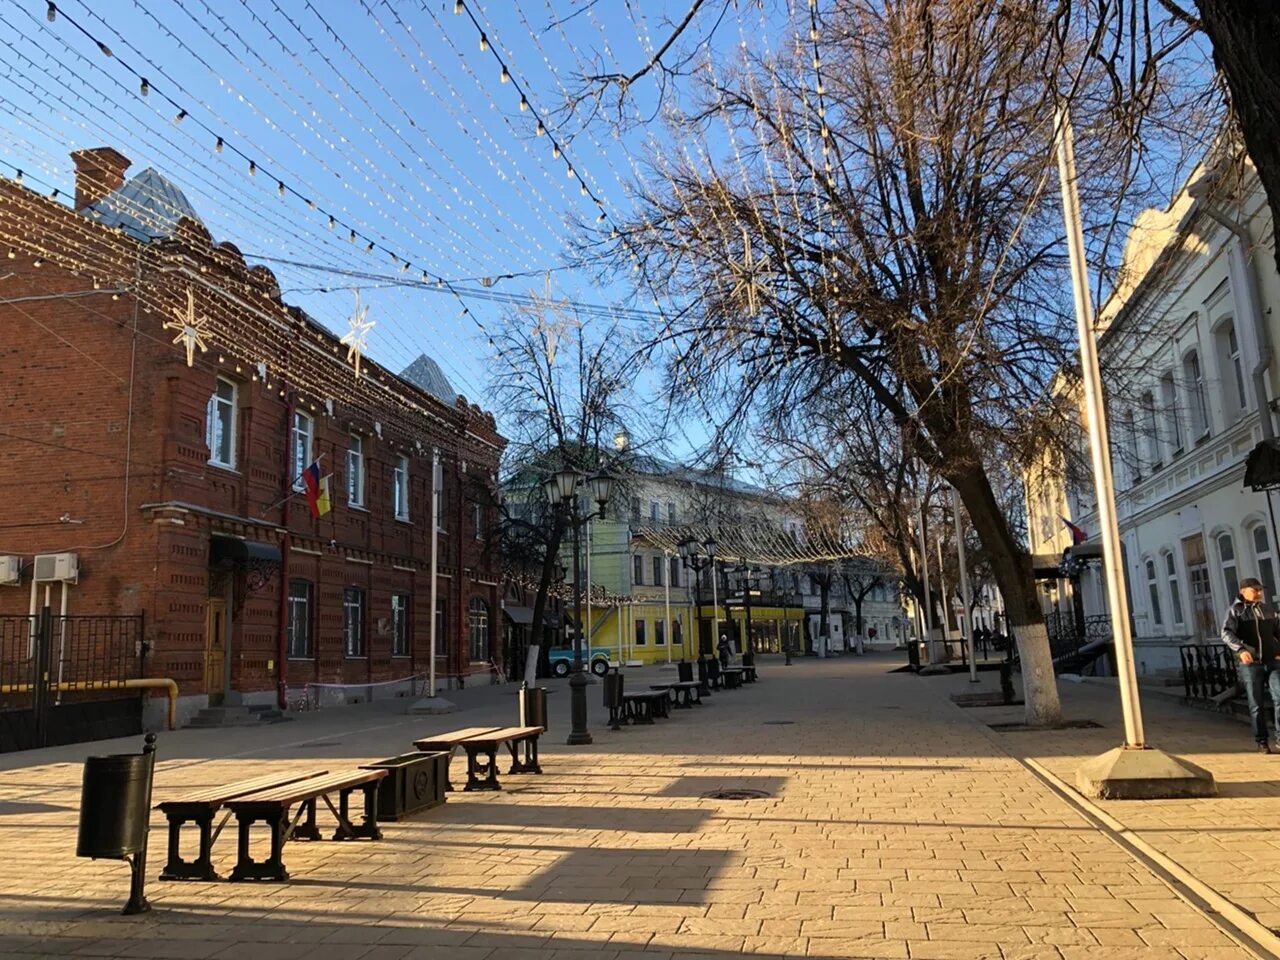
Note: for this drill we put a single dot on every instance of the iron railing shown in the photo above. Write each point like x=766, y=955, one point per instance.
x=81, y=651
x=1208, y=670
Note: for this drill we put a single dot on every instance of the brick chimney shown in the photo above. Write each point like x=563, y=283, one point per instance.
x=99, y=171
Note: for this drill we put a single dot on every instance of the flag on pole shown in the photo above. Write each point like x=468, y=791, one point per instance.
x=1078, y=536
x=317, y=490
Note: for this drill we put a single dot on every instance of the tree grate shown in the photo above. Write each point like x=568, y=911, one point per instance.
x=1065, y=725
x=736, y=794
x=778, y=723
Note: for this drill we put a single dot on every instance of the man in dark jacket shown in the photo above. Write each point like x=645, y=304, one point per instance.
x=1251, y=632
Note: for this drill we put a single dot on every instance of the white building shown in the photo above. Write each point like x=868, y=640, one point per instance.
x=1188, y=362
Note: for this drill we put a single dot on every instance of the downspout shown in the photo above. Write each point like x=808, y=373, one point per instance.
x=282, y=626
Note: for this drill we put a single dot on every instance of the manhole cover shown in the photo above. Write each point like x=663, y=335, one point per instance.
x=321, y=743
x=778, y=723
x=735, y=795
x=1065, y=725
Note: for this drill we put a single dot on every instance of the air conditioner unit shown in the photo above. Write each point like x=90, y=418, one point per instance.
x=57, y=566
x=10, y=571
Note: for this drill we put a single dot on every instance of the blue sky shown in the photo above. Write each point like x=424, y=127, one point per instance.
x=389, y=116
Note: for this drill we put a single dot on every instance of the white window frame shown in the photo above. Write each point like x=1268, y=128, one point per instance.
x=400, y=641
x=478, y=630
x=355, y=471
x=1169, y=404
x=1175, y=588
x=437, y=496
x=400, y=487
x=1198, y=407
x=659, y=632
x=354, y=639
x=637, y=570
x=1236, y=363
x=212, y=408
x=301, y=615
x=656, y=568
x=1264, y=556
x=674, y=572
x=477, y=520
x=1230, y=583
x=1153, y=592
x=641, y=633
x=302, y=437
x=1151, y=426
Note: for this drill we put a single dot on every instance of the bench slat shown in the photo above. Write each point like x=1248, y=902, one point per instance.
x=503, y=733
x=309, y=788
x=217, y=796
x=447, y=741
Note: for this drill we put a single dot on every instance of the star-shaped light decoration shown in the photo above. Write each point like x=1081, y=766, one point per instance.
x=356, y=339
x=554, y=318
x=749, y=277
x=190, y=328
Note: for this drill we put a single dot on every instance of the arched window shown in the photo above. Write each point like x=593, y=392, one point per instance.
x=1173, y=422
x=479, y=637
x=1231, y=371
x=1197, y=409
x=1265, y=560
x=1153, y=585
x=1227, y=554
x=1175, y=590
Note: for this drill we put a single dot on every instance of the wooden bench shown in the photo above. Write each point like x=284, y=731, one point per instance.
x=272, y=806
x=447, y=743
x=684, y=694
x=644, y=706
x=199, y=808
x=731, y=677
x=515, y=739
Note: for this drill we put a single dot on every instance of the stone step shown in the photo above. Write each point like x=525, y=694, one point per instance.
x=212, y=717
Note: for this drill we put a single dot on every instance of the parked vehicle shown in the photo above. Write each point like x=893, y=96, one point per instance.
x=561, y=659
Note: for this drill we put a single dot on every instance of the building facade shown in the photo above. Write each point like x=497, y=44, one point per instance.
x=167, y=402
x=1189, y=367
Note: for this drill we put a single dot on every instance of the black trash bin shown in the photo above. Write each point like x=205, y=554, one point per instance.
x=533, y=707
x=115, y=809
x=685, y=671
x=613, y=698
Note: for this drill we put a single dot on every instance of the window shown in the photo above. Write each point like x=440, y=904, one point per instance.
x=1266, y=563
x=303, y=427
x=400, y=488
x=653, y=511
x=675, y=571
x=671, y=513
x=635, y=508
x=299, y=620
x=477, y=521
x=1128, y=448
x=1151, y=429
x=355, y=470
x=1227, y=554
x=399, y=624
x=640, y=637
x=1231, y=370
x=637, y=570
x=353, y=622
x=1199, y=411
x=1169, y=400
x=677, y=633
x=220, y=424
x=479, y=621
x=657, y=571
x=659, y=633
x=1175, y=590
x=1153, y=585
x=440, y=625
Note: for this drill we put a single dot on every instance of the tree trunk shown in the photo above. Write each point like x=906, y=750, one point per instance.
x=536, y=631
x=1246, y=47
x=1011, y=569
x=824, y=612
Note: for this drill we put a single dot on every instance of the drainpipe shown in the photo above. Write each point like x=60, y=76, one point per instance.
x=282, y=626
x=1245, y=279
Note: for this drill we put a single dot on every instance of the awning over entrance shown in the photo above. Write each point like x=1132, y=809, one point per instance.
x=1089, y=550
x=519, y=615
x=1046, y=566
x=235, y=550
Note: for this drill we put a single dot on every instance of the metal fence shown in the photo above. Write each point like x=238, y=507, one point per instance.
x=1208, y=670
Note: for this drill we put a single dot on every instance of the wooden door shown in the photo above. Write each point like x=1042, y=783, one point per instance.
x=1203, y=615
x=215, y=651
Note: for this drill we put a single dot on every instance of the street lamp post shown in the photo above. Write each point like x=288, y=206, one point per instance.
x=697, y=557
x=562, y=488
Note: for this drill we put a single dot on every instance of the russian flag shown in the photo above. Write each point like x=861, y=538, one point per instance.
x=1078, y=536
x=317, y=490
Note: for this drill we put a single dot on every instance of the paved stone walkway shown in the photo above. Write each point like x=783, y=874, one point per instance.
x=891, y=827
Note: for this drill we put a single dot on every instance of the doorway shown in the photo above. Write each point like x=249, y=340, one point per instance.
x=215, y=651
x=1203, y=616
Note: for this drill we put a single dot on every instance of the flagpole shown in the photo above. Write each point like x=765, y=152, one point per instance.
x=285, y=499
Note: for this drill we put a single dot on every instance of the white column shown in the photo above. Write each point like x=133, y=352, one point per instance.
x=715, y=610
x=1099, y=446
x=586, y=639
x=666, y=624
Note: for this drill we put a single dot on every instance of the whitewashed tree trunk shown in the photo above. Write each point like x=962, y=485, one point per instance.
x=1039, y=683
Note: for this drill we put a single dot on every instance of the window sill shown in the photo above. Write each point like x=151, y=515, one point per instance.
x=224, y=467
x=402, y=656
x=355, y=656
x=357, y=506
x=308, y=659
x=1202, y=438
x=405, y=520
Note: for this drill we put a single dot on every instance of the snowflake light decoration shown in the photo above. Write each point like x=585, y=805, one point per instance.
x=749, y=277
x=356, y=339
x=190, y=328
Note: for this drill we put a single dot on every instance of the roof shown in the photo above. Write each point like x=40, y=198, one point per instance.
x=425, y=374
x=656, y=466
x=147, y=207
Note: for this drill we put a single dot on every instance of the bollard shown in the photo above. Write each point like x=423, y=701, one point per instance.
x=533, y=706
x=115, y=812
x=1006, y=681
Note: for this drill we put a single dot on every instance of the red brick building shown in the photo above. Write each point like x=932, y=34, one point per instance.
x=175, y=483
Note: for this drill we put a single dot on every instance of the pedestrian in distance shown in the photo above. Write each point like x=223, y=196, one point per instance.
x=724, y=650
x=1251, y=632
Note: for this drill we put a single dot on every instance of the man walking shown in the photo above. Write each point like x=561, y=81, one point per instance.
x=1251, y=632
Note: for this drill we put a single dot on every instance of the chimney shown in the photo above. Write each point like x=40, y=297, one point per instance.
x=99, y=171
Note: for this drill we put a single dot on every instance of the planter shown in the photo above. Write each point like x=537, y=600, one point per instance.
x=414, y=781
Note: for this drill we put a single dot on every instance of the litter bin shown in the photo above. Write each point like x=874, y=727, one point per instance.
x=115, y=808
x=533, y=707
x=685, y=671
x=613, y=698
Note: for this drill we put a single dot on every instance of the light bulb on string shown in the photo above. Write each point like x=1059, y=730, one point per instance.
x=540, y=130
x=104, y=49
x=555, y=151
x=52, y=12
x=253, y=169
x=332, y=222
x=524, y=104
x=369, y=248
x=351, y=237
x=17, y=177
x=457, y=7
x=144, y=88
x=217, y=147
x=484, y=43
x=38, y=262
x=280, y=187
x=505, y=76
x=180, y=116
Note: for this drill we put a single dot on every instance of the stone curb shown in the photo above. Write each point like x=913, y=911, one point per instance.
x=1234, y=922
